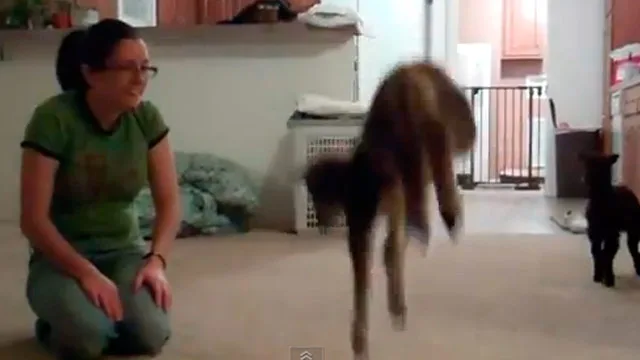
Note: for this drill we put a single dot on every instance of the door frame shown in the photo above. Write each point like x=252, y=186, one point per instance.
x=444, y=9
x=357, y=91
x=482, y=111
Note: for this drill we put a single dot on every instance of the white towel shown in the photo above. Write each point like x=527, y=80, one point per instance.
x=324, y=106
x=332, y=16
x=575, y=222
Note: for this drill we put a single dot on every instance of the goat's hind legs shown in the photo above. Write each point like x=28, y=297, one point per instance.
x=444, y=180
x=609, y=251
x=596, y=257
x=633, y=238
x=597, y=242
x=360, y=221
x=394, y=250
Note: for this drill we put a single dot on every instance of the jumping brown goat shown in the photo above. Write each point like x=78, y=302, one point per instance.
x=418, y=120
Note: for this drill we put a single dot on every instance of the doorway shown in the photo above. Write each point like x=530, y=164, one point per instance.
x=399, y=33
x=473, y=69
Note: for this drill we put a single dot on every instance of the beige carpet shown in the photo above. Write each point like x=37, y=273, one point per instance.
x=492, y=297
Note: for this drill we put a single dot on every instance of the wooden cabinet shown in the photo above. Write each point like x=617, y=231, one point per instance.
x=620, y=29
x=214, y=11
x=162, y=13
x=624, y=18
x=196, y=12
x=523, y=29
x=172, y=13
x=631, y=137
x=178, y=13
x=606, y=78
x=630, y=151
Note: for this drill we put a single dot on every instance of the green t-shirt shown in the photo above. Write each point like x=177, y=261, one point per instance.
x=100, y=172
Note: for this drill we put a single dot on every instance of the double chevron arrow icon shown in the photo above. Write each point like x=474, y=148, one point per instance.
x=306, y=356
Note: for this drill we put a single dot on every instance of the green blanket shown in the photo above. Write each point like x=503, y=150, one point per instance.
x=217, y=196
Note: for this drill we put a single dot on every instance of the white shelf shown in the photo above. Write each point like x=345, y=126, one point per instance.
x=250, y=34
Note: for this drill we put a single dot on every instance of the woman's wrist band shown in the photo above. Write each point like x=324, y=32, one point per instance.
x=159, y=256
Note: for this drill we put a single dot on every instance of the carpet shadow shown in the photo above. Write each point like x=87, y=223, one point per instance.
x=25, y=348
x=236, y=254
x=628, y=284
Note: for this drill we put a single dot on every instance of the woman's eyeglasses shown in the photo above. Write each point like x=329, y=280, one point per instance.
x=146, y=71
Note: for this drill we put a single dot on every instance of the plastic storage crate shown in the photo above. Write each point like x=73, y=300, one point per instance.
x=310, y=139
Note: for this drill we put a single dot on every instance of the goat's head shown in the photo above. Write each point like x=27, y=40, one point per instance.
x=598, y=169
x=429, y=101
x=326, y=180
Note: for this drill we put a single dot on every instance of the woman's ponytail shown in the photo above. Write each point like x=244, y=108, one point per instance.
x=69, y=61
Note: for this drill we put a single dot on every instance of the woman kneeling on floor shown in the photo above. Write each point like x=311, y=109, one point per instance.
x=87, y=152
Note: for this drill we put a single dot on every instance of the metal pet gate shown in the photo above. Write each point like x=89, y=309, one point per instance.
x=510, y=146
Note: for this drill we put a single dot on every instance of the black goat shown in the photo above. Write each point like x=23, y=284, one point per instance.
x=610, y=211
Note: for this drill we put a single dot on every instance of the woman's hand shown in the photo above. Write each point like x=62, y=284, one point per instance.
x=152, y=275
x=103, y=293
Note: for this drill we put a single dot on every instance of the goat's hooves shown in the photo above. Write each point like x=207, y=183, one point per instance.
x=451, y=219
x=359, y=342
x=609, y=282
x=597, y=279
x=423, y=250
x=399, y=322
x=454, y=234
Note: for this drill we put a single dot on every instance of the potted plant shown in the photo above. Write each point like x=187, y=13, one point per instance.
x=26, y=14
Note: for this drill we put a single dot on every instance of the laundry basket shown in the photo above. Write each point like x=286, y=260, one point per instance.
x=310, y=139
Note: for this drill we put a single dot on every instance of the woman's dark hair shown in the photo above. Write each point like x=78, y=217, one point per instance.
x=68, y=61
x=91, y=47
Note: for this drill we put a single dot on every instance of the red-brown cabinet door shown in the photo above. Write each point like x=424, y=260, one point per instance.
x=167, y=12
x=192, y=12
x=177, y=12
x=630, y=156
x=522, y=35
x=303, y=5
x=624, y=17
x=221, y=10
x=631, y=138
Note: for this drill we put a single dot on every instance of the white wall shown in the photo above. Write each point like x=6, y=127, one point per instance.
x=399, y=33
x=574, y=67
x=438, y=27
x=229, y=92
x=226, y=94
x=444, y=29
